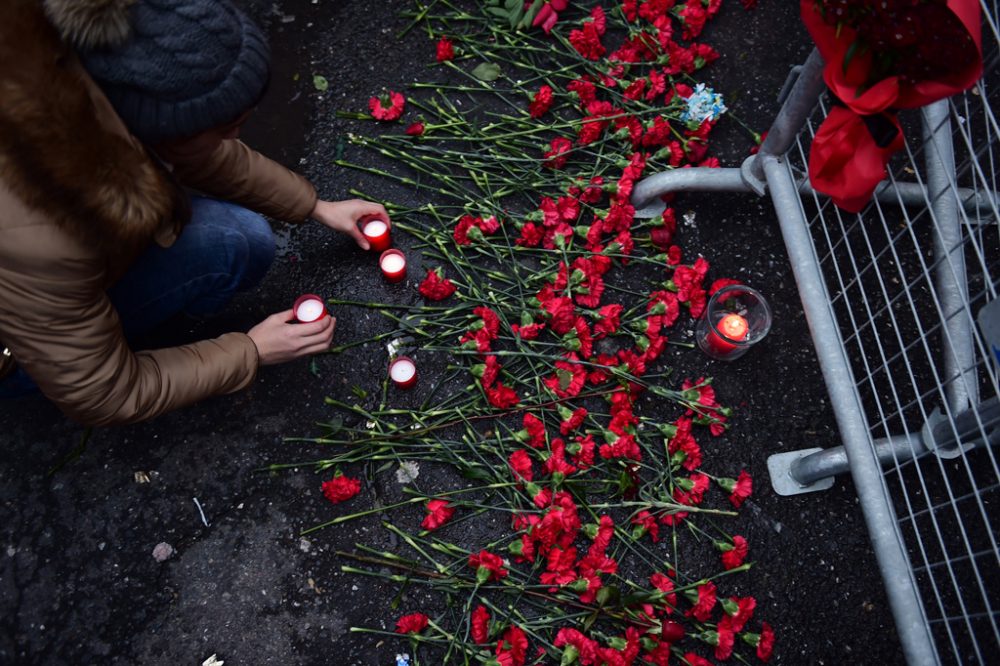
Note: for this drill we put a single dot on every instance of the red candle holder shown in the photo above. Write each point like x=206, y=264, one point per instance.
x=403, y=372
x=377, y=233
x=736, y=318
x=309, y=308
x=393, y=265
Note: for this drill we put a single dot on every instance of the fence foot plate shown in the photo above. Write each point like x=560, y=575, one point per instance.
x=779, y=468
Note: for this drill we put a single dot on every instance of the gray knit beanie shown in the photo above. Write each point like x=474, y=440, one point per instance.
x=186, y=66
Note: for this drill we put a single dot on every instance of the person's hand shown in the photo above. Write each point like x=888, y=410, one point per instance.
x=344, y=216
x=278, y=340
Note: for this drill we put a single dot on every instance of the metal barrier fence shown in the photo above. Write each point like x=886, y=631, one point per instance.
x=902, y=306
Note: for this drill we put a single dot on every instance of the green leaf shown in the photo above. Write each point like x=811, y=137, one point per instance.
x=320, y=83
x=589, y=622
x=487, y=71
x=359, y=392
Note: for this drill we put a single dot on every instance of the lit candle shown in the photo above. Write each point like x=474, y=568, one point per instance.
x=309, y=307
x=393, y=264
x=377, y=233
x=733, y=328
x=403, y=372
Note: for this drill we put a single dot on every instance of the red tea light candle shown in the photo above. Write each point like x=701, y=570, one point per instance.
x=403, y=372
x=393, y=265
x=377, y=233
x=309, y=308
x=732, y=329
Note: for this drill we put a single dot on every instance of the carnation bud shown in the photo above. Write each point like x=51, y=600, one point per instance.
x=590, y=530
x=671, y=631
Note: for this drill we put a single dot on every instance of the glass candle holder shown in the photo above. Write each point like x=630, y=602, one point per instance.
x=378, y=235
x=309, y=308
x=736, y=318
x=403, y=372
x=393, y=265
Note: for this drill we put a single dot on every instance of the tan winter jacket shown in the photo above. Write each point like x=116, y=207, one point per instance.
x=80, y=198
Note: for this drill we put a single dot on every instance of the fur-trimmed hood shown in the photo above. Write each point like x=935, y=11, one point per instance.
x=63, y=151
x=89, y=24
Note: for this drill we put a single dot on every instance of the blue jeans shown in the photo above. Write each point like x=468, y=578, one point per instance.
x=223, y=249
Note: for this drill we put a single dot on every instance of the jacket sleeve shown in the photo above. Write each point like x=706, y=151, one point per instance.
x=232, y=171
x=63, y=330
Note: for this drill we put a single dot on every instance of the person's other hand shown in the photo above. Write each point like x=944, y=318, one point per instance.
x=279, y=341
x=344, y=216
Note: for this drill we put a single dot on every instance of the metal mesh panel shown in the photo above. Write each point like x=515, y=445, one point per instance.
x=907, y=279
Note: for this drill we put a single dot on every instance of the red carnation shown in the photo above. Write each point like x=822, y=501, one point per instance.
x=415, y=129
x=541, y=102
x=438, y=513
x=766, y=644
x=645, y=522
x=445, y=50
x=696, y=660
x=413, y=623
x=663, y=235
x=435, y=287
x=562, y=315
x=740, y=609
x=480, y=624
x=558, y=153
x=512, y=650
x=704, y=603
x=488, y=566
x=520, y=464
x=573, y=421
x=502, y=397
x=531, y=235
x=726, y=639
x=739, y=489
x=608, y=320
x=341, y=488
x=387, y=107
x=721, y=283
x=587, y=41
x=733, y=554
x=585, y=647
x=534, y=431
x=568, y=380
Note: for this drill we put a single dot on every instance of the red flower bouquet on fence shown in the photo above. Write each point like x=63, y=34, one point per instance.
x=881, y=57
